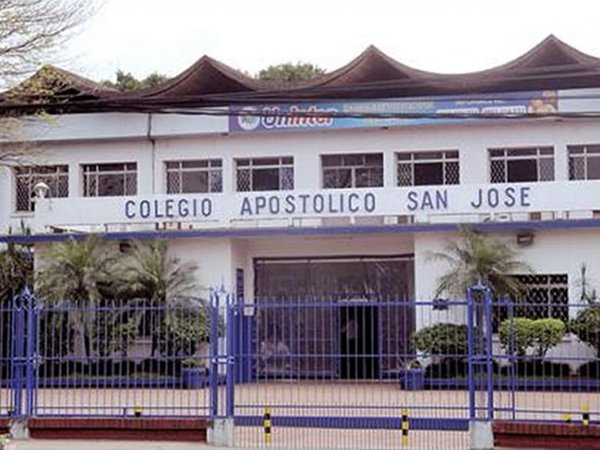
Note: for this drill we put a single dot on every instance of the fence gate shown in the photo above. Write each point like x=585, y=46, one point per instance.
x=344, y=373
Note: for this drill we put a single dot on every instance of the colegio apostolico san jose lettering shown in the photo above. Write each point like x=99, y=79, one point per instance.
x=329, y=203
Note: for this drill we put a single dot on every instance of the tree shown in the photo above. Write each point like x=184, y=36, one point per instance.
x=476, y=258
x=125, y=81
x=76, y=273
x=16, y=269
x=291, y=72
x=30, y=30
x=157, y=279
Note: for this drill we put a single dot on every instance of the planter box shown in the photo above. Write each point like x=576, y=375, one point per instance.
x=412, y=379
x=194, y=377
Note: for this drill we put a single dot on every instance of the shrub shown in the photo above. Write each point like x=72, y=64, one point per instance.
x=442, y=339
x=546, y=334
x=586, y=325
x=516, y=335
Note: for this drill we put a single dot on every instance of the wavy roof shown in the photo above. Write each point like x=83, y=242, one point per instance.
x=552, y=64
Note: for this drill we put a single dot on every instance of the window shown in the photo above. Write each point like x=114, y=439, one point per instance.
x=352, y=170
x=204, y=175
x=584, y=162
x=428, y=168
x=109, y=180
x=265, y=174
x=544, y=296
x=515, y=165
x=56, y=177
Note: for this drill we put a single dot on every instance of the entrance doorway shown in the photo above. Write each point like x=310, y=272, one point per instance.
x=359, y=349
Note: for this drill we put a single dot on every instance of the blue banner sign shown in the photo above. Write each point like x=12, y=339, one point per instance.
x=366, y=114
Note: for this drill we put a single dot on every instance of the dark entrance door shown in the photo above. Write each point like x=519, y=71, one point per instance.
x=359, y=342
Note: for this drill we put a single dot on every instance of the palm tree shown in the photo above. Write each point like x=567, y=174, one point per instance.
x=157, y=279
x=477, y=258
x=16, y=270
x=75, y=273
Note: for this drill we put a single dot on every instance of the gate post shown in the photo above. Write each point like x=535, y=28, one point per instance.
x=221, y=429
x=22, y=305
x=480, y=368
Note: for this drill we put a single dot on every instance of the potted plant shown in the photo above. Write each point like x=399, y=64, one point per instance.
x=412, y=375
x=194, y=373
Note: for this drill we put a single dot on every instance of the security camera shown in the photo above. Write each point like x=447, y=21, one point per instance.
x=41, y=190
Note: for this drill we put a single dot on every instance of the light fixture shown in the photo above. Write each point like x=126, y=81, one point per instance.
x=41, y=190
x=525, y=238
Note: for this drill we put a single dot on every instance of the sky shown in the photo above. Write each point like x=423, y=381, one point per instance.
x=447, y=36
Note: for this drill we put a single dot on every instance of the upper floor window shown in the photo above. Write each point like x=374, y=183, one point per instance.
x=584, y=162
x=428, y=168
x=55, y=177
x=109, y=180
x=352, y=170
x=513, y=165
x=265, y=174
x=202, y=175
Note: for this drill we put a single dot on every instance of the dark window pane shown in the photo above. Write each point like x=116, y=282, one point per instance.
x=374, y=159
x=498, y=153
x=428, y=155
x=172, y=164
x=265, y=162
x=216, y=181
x=265, y=179
x=372, y=177
x=593, y=168
x=405, y=175
x=216, y=163
x=521, y=152
x=194, y=182
x=173, y=183
x=111, y=185
x=404, y=156
x=243, y=180
x=337, y=178
x=194, y=164
x=243, y=162
x=428, y=174
x=522, y=170
x=497, y=171
x=331, y=160
x=288, y=160
x=575, y=149
x=353, y=160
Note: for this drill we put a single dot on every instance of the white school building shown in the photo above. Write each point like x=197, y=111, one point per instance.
x=339, y=186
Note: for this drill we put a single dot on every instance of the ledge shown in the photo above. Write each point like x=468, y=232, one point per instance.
x=546, y=435
x=146, y=429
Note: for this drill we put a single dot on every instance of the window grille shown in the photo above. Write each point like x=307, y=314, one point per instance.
x=108, y=180
x=521, y=164
x=265, y=174
x=195, y=176
x=55, y=177
x=584, y=162
x=352, y=170
x=428, y=168
x=544, y=296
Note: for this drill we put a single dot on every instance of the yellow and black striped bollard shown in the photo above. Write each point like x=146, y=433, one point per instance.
x=404, y=413
x=267, y=425
x=567, y=418
x=137, y=411
x=585, y=416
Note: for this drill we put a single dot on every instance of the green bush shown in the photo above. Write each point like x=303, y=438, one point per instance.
x=516, y=335
x=586, y=325
x=442, y=339
x=519, y=334
x=546, y=334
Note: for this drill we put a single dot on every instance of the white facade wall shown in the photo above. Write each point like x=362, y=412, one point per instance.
x=150, y=141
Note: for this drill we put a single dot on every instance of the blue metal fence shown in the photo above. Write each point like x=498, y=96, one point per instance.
x=354, y=363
